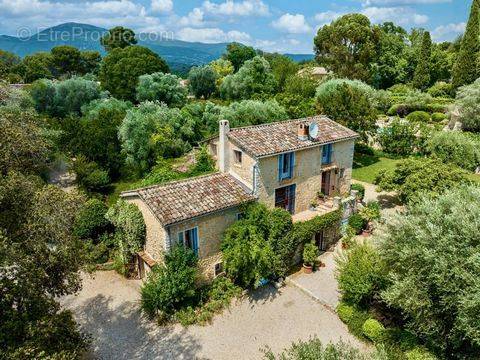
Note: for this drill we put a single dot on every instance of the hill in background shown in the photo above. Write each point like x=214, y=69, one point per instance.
x=180, y=55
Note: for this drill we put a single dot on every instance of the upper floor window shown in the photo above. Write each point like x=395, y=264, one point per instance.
x=189, y=239
x=237, y=156
x=327, y=151
x=286, y=163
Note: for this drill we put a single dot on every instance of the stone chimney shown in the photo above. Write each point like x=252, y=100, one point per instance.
x=223, y=148
x=302, y=132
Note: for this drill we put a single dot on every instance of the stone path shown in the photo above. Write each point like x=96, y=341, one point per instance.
x=108, y=309
x=388, y=200
x=320, y=285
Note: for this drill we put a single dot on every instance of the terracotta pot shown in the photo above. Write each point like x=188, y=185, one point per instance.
x=307, y=269
x=366, y=233
x=322, y=264
x=344, y=246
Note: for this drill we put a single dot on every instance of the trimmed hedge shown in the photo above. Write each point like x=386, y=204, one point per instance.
x=403, y=110
x=354, y=318
x=357, y=223
x=419, y=116
x=374, y=330
x=439, y=117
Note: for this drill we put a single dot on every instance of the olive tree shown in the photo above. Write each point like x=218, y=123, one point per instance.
x=161, y=87
x=468, y=103
x=202, y=81
x=431, y=252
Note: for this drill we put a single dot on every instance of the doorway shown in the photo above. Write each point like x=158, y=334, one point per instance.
x=320, y=241
x=326, y=180
x=285, y=198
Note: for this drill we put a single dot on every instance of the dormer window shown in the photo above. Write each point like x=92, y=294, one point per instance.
x=237, y=154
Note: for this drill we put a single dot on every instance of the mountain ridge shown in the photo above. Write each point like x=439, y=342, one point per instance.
x=180, y=55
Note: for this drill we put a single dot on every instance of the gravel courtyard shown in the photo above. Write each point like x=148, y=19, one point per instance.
x=107, y=308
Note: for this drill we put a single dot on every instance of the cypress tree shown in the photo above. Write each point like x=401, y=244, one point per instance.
x=421, y=78
x=465, y=70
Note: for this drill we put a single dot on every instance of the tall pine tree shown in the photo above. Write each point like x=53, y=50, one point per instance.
x=421, y=78
x=466, y=69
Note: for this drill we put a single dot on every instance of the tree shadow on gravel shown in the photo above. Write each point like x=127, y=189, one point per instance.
x=262, y=295
x=120, y=332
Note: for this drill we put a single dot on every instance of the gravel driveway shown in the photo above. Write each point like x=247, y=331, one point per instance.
x=107, y=308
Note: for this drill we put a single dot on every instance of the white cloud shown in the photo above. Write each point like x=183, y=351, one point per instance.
x=292, y=24
x=40, y=14
x=162, y=6
x=399, y=15
x=212, y=35
x=194, y=18
x=327, y=17
x=233, y=8
x=448, y=32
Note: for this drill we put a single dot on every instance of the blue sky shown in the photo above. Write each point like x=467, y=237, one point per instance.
x=281, y=25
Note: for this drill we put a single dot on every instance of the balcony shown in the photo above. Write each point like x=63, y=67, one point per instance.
x=323, y=208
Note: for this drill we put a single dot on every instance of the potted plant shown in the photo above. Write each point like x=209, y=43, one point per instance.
x=320, y=195
x=310, y=255
x=370, y=213
x=313, y=205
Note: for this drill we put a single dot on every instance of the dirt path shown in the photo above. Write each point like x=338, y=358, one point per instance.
x=107, y=308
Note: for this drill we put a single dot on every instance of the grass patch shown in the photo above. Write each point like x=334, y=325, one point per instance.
x=117, y=188
x=367, y=167
x=474, y=177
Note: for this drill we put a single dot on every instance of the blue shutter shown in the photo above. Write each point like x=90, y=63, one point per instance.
x=292, y=165
x=280, y=166
x=330, y=151
x=195, y=240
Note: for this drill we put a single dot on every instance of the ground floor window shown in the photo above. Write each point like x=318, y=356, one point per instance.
x=285, y=198
x=189, y=239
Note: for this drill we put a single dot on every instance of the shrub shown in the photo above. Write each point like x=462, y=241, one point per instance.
x=401, y=110
x=468, y=103
x=361, y=274
x=373, y=330
x=90, y=221
x=400, y=89
x=169, y=287
x=361, y=148
x=419, y=353
x=345, y=312
x=439, y=117
x=202, y=81
x=456, y=148
x=371, y=212
x=130, y=228
x=419, y=116
x=314, y=350
x=310, y=254
x=89, y=175
x=357, y=223
x=382, y=100
x=399, y=138
x=441, y=89
x=361, y=190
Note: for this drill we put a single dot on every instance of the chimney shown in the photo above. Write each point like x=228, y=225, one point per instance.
x=302, y=132
x=223, y=163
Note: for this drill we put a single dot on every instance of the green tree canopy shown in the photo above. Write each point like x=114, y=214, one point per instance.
x=466, y=69
x=255, y=78
x=161, y=87
x=121, y=68
x=24, y=146
x=348, y=102
x=432, y=256
x=202, y=81
x=468, y=103
x=422, y=78
x=238, y=54
x=118, y=38
x=39, y=252
x=347, y=46
x=37, y=66
x=67, y=60
x=412, y=177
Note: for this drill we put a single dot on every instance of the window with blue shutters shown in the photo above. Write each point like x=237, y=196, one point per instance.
x=327, y=151
x=189, y=239
x=286, y=164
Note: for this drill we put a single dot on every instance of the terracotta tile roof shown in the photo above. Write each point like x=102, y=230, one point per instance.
x=279, y=137
x=182, y=200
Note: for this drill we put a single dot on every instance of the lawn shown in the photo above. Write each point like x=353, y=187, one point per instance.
x=367, y=167
x=474, y=177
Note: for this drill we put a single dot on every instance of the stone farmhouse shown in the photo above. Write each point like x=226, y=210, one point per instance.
x=278, y=164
